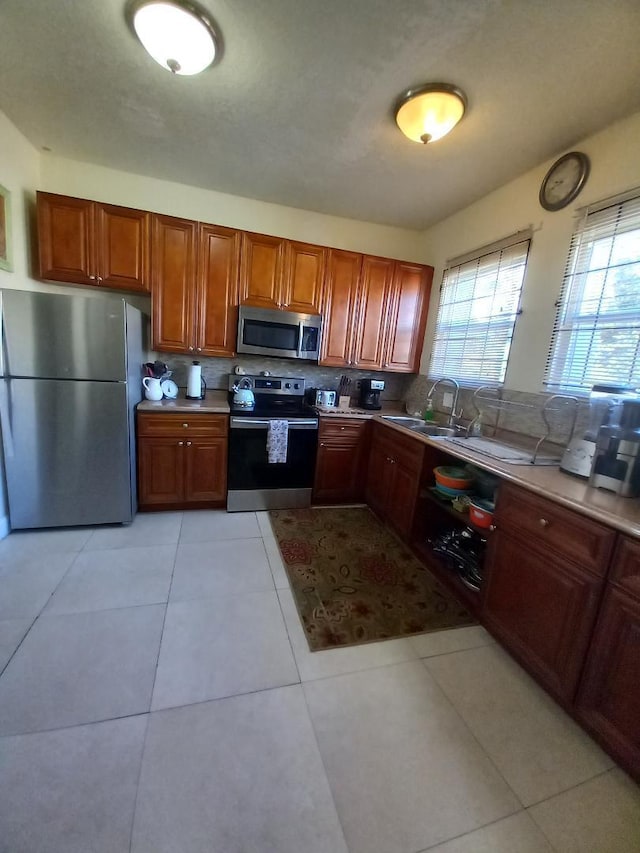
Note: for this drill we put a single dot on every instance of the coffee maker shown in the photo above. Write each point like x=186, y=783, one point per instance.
x=370, y=390
x=616, y=462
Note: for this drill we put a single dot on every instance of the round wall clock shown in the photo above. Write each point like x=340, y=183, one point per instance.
x=564, y=180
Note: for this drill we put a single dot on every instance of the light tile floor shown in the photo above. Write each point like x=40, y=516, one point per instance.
x=158, y=695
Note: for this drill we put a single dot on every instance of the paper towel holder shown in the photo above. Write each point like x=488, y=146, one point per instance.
x=196, y=386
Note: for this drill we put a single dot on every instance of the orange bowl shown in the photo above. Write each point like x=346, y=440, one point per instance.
x=452, y=477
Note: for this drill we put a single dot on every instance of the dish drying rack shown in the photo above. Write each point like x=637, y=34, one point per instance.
x=487, y=398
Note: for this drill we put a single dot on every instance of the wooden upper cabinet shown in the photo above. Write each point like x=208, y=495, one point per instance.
x=86, y=242
x=66, y=239
x=261, y=270
x=339, y=305
x=410, y=294
x=373, y=305
x=304, y=277
x=217, y=291
x=123, y=250
x=173, y=252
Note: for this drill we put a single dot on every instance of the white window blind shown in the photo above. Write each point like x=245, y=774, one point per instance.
x=596, y=336
x=479, y=303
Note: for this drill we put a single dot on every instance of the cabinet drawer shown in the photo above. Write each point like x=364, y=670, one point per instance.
x=175, y=423
x=342, y=430
x=625, y=566
x=568, y=533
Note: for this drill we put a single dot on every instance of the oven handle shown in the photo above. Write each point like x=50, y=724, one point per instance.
x=263, y=423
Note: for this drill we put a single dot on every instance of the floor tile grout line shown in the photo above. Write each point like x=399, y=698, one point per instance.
x=164, y=618
x=572, y=787
x=42, y=609
x=324, y=767
x=473, y=735
x=75, y=725
x=522, y=811
x=135, y=796
x=286, y=628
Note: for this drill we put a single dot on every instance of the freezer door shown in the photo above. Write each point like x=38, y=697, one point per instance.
x=66, y=449
x=51, y=336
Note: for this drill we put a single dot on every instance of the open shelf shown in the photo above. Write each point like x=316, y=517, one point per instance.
x=460, y=517
x=468, y=597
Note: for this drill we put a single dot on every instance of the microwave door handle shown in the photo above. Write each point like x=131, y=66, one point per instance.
x=300, y=336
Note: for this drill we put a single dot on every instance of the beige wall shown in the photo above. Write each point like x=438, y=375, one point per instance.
x=109, y=185
x=615, y=167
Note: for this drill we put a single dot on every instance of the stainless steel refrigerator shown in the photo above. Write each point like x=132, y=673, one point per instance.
x=70, y=379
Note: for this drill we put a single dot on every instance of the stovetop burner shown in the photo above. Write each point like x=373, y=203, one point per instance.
x=275, y=396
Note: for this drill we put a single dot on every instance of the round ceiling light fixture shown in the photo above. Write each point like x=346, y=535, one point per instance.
x=178, y=35
x=429, y=112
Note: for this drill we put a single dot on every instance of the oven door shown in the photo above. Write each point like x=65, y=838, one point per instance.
x=253, y=483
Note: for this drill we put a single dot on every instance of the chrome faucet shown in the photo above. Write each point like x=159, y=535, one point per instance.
x=454, y=413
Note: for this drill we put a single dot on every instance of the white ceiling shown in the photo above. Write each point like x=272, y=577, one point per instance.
x=299, y=109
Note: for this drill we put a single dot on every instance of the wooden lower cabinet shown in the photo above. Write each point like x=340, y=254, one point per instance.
x=608, y=702
x=342, y=446
x=393, y=477
x=542, y=608
x=182, y=460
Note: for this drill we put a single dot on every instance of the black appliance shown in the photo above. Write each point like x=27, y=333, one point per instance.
x=254, y=483
x=266, y=331
x=370, y=390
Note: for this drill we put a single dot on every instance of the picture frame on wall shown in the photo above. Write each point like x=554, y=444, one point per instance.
x=6, y=258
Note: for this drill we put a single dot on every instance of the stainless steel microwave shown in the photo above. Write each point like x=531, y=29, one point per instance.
x=265, y=331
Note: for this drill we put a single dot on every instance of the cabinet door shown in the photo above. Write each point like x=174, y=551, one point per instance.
x=173, y=281
x=261, y=269
x=542, y=608
x=609, y=698
x=123, y=247
x=374, y=291
x=379, y=478
x=217, y=292
x=206, y=471
x=160, y=471
x=338, y=473
x=304, y=277
x=339, y=315
x=407, y=317
x=402, y=498
x=65, y=239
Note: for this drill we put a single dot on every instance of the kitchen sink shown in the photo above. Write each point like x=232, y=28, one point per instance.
x=422, y=428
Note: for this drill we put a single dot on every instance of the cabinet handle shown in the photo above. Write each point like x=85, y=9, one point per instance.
x=190, y=349
x=354, y=362
x=99, y=278
x=343, y=428
x=386, y=364
x=188, y=444
x=92, y=277
x=199, y=349
x=185, y=425
x=286, y=305
x=543, y=522
x=180, y=443
x=322, y=444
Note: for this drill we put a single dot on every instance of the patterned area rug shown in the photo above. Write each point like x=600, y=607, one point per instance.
x=354, y=582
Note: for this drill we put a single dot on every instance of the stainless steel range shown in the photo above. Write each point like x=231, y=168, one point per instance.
x=254, y=482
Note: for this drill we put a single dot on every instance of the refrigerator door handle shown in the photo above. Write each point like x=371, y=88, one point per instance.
x=5, y=420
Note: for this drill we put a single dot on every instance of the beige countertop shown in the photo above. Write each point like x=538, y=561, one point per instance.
x=215, y=402
x=548, y=481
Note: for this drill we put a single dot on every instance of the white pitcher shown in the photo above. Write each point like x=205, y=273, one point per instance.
x=152, y=389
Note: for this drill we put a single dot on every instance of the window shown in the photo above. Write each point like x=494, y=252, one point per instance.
x=596, y=336
x=479, y=303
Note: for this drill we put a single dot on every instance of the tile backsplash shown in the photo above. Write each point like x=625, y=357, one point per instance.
x=216, y=370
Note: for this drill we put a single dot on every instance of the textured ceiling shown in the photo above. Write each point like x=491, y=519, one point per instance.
x=299, y=109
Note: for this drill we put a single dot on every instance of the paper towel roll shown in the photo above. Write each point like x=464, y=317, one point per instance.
x=194, y=381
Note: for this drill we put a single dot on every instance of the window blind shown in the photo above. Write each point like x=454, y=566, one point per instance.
x=596, y=335
x=479, y=303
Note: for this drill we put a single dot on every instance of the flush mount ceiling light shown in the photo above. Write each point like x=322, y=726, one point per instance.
x=178, y=35
x=429, y=112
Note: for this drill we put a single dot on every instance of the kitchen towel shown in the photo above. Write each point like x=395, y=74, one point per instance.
x=277, y=440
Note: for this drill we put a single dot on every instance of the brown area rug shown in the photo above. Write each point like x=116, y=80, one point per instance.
x=354, y=582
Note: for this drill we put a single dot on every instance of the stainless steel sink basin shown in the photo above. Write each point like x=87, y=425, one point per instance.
x=434, y=430
x=422, y=428
x=404, y=420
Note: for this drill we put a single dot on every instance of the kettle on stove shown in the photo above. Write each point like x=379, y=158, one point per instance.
x=243, y=397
